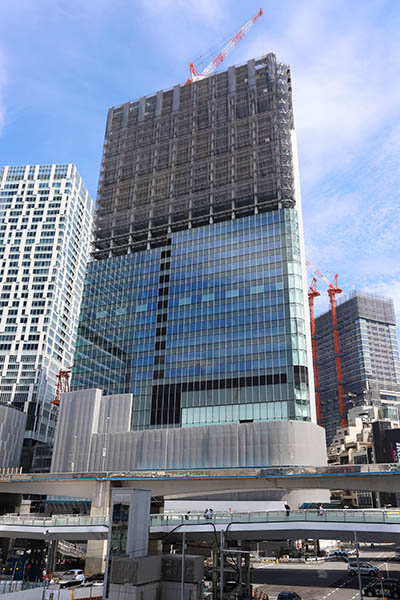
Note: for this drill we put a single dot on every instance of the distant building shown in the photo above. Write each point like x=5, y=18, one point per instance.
x=369, y=354
x=45, y=228
x=372, y=435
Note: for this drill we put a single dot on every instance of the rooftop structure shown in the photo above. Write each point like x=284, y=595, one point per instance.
x=194, y=155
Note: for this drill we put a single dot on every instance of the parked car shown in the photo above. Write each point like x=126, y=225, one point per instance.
x=391, y=588
x=365, y=569
x=95, y=577
x=397, y=553
x=95, y=580
x=71, y=578
x=288, y=596
x=338, y=555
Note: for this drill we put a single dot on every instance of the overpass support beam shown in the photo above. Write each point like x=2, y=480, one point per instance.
x=96, y=551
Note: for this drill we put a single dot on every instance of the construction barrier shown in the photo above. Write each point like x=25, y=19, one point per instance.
x=88, y=593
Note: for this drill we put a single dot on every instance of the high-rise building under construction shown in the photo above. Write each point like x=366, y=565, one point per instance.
x=195, y=300
x=369, y=356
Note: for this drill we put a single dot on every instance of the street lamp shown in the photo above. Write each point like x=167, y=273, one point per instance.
x=358, y=564
x=75, y=437
x=104, y=452
x=46, y=576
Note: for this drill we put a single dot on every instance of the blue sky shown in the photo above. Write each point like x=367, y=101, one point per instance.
x=63, y=63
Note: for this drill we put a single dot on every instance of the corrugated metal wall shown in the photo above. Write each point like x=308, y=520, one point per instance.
x=12, y=428
x=107, y=443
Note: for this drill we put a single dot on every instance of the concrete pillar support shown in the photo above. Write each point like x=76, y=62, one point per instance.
x=96, y=551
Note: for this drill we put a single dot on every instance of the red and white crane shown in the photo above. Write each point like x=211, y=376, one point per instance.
x=333, y=289
x=62, y=384
x=210, y=68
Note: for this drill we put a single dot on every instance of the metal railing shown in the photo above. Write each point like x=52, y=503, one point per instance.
x=390, y=515
x=57, y=521
x=276, y=516
x=7, y=586
x=211, y=472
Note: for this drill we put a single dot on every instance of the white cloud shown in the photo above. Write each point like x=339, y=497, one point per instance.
x=208, y=12
x=342, y=67
x=183, y=28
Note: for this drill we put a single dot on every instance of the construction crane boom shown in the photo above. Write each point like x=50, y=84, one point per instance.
x=333, y=289
x=320, y=275
x=210, y=68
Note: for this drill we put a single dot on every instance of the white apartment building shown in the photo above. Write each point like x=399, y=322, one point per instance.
x=46, y=217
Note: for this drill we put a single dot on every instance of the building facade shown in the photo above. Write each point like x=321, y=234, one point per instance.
x=363, y=441
x=94, y=434
x=369, y=355
x=195, y=302
x=45, y=229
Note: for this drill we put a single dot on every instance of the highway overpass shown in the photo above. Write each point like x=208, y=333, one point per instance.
x=186, y=483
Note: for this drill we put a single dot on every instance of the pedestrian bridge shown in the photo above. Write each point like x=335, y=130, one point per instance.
x=369, y=525
x=63, y=527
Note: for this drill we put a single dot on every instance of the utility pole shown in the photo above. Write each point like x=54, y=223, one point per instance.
x=183, y=566
x=358, y=564
x=221, y=583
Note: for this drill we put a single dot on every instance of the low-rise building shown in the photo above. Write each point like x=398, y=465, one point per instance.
x=360, y=443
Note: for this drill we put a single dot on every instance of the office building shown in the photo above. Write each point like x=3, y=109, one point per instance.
x=369, y=355
x=45, y=228
x=195, y=301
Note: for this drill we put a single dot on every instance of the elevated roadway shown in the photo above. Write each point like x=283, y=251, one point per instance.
x=186, y=483
x=370, y=525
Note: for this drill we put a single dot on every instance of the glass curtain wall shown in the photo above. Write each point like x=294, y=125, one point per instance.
x=207, y=329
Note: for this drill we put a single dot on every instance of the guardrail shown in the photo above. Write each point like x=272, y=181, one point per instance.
x=59, y=521
x=310, y=515
x=7, y=587
x=209, y=472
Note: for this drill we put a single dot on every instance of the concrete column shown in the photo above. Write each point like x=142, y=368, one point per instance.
x=96, y=551
x=52, y=559
x=156, y=546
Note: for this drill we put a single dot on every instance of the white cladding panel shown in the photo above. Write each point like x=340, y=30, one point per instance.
x=113, y=446
x=12, y=428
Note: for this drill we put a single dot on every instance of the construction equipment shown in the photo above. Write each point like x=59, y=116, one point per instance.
x=334, y=289
x=312, y=294
x=62, y=384
x=210, y=68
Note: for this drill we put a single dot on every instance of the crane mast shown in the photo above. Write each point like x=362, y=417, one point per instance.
x=62, y=384
x=332, y=290
x=195, y=75
x=312, y=294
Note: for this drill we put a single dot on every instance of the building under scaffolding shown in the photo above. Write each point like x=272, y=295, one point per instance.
x=195, y=302
x=369, y=352
x=196, y=154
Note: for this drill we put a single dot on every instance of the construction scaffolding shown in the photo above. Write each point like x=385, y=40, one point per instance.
x=217, y=149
